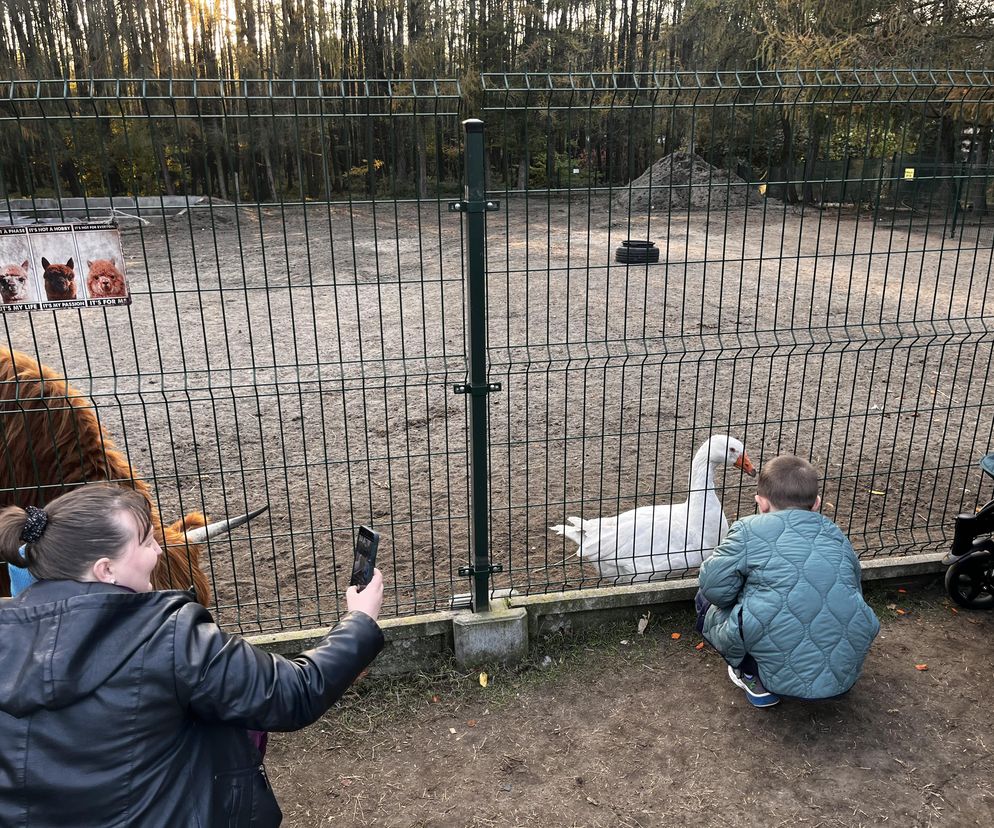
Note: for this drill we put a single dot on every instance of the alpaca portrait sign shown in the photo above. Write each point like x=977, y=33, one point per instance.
x=61, y=266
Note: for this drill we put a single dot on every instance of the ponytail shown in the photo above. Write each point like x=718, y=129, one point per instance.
x=62, y=541
x=13, y=520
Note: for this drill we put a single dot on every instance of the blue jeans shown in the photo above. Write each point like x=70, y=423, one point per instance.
x=702, y=605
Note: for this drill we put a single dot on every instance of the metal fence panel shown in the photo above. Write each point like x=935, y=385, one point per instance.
x=810, y=297
x=296, y=325
x=299, y=309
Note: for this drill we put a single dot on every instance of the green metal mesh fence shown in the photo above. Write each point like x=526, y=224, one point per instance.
x=822, y=282
x=299, y=301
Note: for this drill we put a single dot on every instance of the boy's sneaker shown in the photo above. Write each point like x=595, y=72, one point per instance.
x=758, y=695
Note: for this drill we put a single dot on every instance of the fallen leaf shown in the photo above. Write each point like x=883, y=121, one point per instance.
x=436, y=699
x=902, y=612
x=452, y=730
x=699, y=646
x=922, y=667
x=624, y=640
x=484, y=679
x=471, y=723
x=892, y=606
x=903, y=591
x=954, y=611
x=643, y=623
x=346, y=783
x=875, y=492
x=675, y=636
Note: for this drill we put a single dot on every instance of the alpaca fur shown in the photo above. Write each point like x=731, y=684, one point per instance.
x=104, y=280
x=52, y=441
x=14, y=283
x=60, y=280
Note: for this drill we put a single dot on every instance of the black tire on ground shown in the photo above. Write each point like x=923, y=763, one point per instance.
x=632, y=255
x=970, y=583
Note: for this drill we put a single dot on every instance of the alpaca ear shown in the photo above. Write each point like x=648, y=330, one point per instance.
x=25, y=264
x=45, y=263
x=69, y=264
x=89, y=263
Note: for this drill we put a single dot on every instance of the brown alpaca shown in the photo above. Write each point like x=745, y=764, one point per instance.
x=104, y=280
x=14, y=283
x=60, y=280
x=51, y=441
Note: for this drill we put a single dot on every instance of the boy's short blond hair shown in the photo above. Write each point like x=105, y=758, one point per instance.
x=788, y=482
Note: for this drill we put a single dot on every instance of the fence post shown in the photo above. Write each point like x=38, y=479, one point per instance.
x=474, y=204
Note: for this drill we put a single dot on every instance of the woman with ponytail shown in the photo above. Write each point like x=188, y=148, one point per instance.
x=124, y=706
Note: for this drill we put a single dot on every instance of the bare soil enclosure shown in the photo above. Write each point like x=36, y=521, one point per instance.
x=644, y=731
x=304, y=357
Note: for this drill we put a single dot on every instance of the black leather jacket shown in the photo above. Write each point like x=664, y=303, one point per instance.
x=120, y=708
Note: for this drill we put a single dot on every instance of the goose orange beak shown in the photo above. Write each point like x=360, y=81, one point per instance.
x=746, y=465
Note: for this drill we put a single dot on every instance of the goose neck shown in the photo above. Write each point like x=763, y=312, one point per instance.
x=701, y=479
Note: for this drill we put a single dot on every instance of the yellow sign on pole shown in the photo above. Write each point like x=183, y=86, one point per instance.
x=909, y=173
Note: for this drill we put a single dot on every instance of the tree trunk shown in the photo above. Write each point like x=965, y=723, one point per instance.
x=947, y=191
x=270, y=177
x=787, y=158
x=422, y=160
x=160, y=156
x=814, y=146
x=983, y=136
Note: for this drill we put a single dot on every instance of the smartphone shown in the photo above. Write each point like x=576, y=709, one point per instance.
x=365, y=557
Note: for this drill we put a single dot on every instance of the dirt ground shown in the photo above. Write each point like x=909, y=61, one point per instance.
x=617, y=729
x=305, y=358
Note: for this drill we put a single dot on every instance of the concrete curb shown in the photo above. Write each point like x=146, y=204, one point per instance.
x=412, y=642
x=416, y=642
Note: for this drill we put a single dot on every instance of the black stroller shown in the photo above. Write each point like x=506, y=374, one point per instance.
x=970, y=577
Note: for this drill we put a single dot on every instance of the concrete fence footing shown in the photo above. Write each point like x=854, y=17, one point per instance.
x=504, y=635
x=499, y=636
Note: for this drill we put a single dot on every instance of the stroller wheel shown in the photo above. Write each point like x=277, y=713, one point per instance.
x=970, y=582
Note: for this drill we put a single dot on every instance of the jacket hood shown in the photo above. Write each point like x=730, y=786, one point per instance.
x=61, y=640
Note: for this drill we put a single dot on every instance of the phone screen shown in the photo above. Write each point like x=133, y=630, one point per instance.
x=365, y=557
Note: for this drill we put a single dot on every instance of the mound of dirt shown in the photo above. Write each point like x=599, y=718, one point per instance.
x=209, y=212
x=684, y=180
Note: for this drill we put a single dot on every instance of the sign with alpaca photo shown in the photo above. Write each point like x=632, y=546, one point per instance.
x=18, y=282
x=61, y=266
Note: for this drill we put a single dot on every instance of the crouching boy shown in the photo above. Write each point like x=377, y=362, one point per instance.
x=781, y=599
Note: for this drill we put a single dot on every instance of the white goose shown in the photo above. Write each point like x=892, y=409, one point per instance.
x=657, y=540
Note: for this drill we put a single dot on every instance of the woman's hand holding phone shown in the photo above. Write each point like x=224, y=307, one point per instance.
x=370, y=600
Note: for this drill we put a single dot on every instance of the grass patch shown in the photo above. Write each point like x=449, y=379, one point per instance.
x=558, y=658
x=893, y=602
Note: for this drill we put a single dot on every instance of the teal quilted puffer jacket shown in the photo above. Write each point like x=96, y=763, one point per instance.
x=786, y=589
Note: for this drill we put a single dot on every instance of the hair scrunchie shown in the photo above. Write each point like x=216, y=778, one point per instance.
x=35, y=525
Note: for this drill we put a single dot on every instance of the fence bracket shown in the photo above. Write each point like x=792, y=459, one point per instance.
x=467, y=206
x=489, y=569
x=476, y=390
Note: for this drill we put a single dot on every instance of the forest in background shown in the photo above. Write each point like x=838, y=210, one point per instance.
x=462, y=38
x=238, y=141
